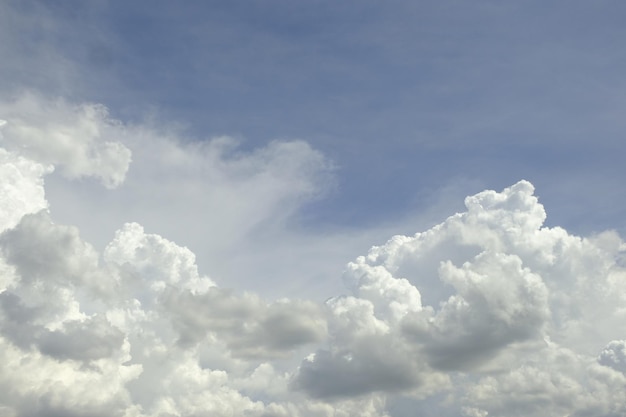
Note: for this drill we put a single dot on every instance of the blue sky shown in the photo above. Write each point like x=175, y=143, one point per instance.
x=248, y=208
x=405, y=98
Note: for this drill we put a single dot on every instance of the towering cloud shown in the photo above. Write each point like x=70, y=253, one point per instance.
x=487, y=313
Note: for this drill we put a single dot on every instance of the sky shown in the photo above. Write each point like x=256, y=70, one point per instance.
x=312, y=209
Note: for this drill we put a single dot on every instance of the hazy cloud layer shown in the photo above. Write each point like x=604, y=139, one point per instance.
x=486, y=313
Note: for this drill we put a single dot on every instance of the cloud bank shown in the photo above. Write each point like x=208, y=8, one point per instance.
x=486, y=313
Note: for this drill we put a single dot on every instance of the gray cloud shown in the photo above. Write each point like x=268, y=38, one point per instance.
x=39, y=250
x=91, y=339
x=367, y=367
x=614, y=355
x=248, y=326
x=497, y=303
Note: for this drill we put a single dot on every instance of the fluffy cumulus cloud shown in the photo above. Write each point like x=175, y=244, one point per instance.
x=509, y=317
x=487, y=313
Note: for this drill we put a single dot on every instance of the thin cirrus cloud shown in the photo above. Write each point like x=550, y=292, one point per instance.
x=488, y=312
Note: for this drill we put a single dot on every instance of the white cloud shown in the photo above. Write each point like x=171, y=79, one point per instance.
x=154, y=259
x=478, y=296
x=220, y=199
x=21, y=191
x=487, y=313
x=81, y=140
x=140, y=319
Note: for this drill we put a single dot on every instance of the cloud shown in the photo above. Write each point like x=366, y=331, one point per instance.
x=497, y=303
x=37, y=248
x=139, y=315
x=487, y=313
x=249, y=327
x=199, y=310
x=221, y=197
x=22, y=188
x=614, y=355
x=75, y=321
x=490, y=294
x=81, y=140
x=551, y=380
